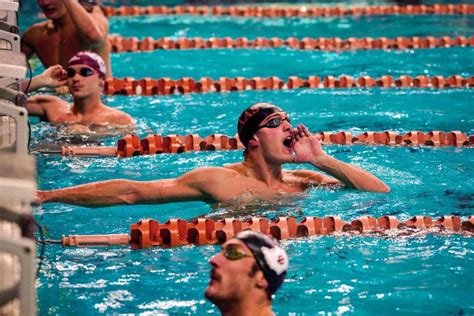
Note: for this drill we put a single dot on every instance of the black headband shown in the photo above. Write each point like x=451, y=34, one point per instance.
x=250, y=125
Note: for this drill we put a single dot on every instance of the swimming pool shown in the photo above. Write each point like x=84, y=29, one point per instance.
x=428, y=274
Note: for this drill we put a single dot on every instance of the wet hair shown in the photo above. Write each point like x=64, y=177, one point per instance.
x=250, y=119
x=269, y=256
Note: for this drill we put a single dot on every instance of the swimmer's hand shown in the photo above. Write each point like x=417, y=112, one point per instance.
x=306, y=146
x=54, y=76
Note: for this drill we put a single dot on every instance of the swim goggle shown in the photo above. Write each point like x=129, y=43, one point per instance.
x=84, y=72
x=275, y=122
x=234, y=252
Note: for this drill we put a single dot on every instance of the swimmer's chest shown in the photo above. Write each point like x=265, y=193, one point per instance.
x=241, y=185
x=55, y=46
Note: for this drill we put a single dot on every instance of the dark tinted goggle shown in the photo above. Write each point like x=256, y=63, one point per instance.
x=274, y=122
x=84, y=72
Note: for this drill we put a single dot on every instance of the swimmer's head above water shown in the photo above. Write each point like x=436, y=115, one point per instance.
x=265, y=130
x=90, y=59
x=250, y=119
x=250, y=268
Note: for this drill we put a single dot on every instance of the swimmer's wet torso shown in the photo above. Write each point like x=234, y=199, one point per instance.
x=233, y=181
x=270, y=142
x=70, y=28
x=62, y=112
x=85, y=77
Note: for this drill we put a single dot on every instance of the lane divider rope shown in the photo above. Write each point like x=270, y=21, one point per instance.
x=166, y=86
x=133, y=44
x=204, y=231
x=131, y=145
x=293, y=11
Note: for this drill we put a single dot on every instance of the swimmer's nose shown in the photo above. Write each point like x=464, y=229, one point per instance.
x=212, y=261
x=75, y=76
x=287, y=126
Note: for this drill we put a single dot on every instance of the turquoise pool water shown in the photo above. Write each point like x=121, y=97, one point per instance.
x=428, y=274
x=220, y=26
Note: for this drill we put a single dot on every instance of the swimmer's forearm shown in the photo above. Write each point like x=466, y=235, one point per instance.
x=37, y=82
x=351, y=176
x=112, y=192
x=89, y=28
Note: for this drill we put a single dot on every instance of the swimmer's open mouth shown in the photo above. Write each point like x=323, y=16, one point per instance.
x=288, y=141
x=49, y=9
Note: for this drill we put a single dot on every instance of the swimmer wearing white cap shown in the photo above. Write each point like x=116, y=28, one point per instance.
x=246, y=274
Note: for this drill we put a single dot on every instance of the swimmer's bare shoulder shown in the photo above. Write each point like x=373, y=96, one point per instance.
x=212, y=175
x=32, y=35
x=217, y=183
x=119, y=118
x=46, y=105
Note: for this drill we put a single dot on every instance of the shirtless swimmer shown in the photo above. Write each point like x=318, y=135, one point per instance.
x=266, y=132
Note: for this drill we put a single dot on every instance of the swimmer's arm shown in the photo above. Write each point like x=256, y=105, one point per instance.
x=54, y=76
x=93, y=27
x=114, y=192
x=315, y=178
x=351, y=176
x=308, y=149
x=40, y=105
x=26, y=44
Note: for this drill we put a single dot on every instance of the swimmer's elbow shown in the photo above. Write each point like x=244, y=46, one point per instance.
x=383, y=188
x=129, y=199
x=377, y=188
x=96, y=38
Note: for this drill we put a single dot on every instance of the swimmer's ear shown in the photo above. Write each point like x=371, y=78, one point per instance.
x=261, y=283
x=253, y=143
x=102, y=83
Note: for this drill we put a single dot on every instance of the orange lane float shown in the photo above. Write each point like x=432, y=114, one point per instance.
x=132, y=145
x=204, y=231
x=293, y=11
x=167, y=86
x=133, y=44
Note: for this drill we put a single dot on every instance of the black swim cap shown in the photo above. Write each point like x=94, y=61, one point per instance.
x=251, y=117
x=270, y=257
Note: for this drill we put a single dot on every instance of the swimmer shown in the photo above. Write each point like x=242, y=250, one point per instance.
x=246, y=274
x=270, y=141
x=85, y=78
x=70, y=28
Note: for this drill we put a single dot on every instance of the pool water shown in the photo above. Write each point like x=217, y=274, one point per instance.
x=427, y=274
